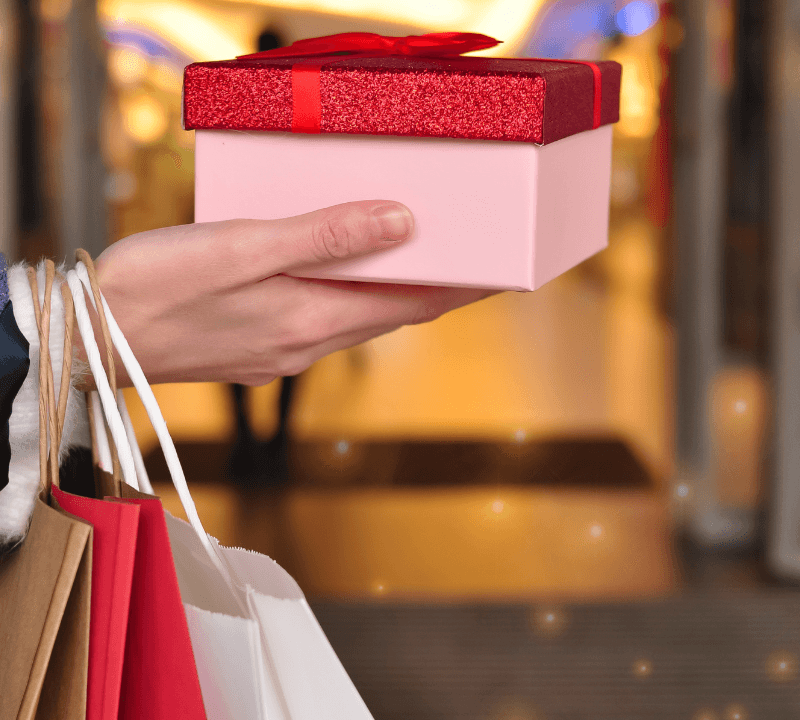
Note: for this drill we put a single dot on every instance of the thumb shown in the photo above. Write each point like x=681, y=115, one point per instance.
x=337, y=233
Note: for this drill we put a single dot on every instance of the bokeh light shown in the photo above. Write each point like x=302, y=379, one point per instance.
x=781, y=666
x=735, y=712
x=683, y=491
x=126, y=66
x=705, y=714
x=342, y=447
x=637, y=17
x=516, y=709
x=639, y=104
x=549, y=621
x=145, y=118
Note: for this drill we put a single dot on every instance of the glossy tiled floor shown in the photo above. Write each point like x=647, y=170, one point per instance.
x=516, y=369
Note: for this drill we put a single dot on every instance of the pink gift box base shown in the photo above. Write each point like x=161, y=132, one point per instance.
x=489, y=214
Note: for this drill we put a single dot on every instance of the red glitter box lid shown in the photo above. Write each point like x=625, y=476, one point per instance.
x=465, y=97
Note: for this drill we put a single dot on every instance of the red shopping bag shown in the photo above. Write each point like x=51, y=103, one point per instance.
x=141, y=663
x=159, y=679
x=114, y=547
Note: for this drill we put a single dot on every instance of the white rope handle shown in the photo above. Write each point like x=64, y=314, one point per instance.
x=153, y=412
x=103, y=388
x=141, y=471
x=100, y=439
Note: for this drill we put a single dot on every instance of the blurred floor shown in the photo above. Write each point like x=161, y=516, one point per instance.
x=715, y=656
x=504, y=387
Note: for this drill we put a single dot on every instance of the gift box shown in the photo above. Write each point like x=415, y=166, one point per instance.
x=505, y=163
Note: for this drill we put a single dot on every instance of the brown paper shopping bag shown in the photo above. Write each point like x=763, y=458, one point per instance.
x=45, y=583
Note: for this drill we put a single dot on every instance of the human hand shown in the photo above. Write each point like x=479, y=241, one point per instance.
x=210, y=302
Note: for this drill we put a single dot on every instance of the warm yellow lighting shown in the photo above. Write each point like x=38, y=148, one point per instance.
x=642, y=668
x=639, y=104
x=440, y=543
x=416, y=12
x=192, y=30
x=506, y=20
x=144, y=118
x=126, y=67
x=218, y=506
x=206, y=34
x=632, y=257
x=261, y=403
x=739, y=415
x=166, y=77
x=185, y=140
x=194, y=412
x=596, y=532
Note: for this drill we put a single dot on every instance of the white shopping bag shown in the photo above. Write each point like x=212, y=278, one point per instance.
x=259, y=649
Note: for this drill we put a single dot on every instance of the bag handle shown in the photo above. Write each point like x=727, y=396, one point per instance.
x=47, y=404
x=82, y=256
x=102, y=445
x=96, y=364
x=105, y=454
x=75, y=278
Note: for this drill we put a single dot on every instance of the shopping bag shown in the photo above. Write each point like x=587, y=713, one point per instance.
x=113, y=550
x=160, y=678
x=260, y=651
x=45, y=588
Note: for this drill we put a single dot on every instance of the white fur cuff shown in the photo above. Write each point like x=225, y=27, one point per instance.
x=18, y=497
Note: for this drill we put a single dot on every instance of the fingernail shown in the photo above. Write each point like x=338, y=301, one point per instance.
x=393, y=222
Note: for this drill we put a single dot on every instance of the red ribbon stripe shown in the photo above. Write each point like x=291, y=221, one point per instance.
x=306, y=103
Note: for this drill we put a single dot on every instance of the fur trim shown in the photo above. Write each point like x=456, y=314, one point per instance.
x=18, y=497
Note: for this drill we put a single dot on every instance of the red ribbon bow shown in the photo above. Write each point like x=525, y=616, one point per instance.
x=307, y=108
x=370, y=44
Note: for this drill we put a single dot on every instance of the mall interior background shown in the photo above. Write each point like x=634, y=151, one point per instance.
x=582, y=502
